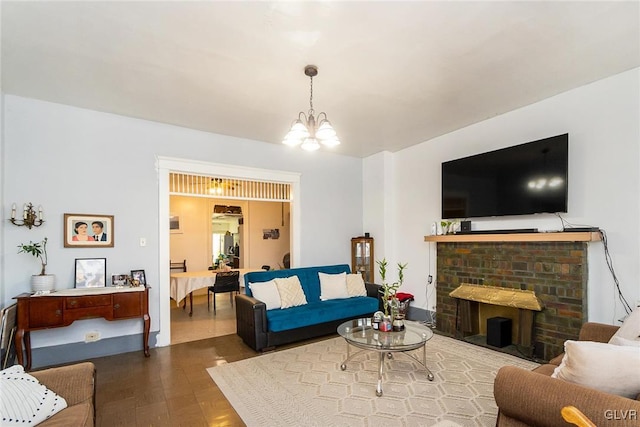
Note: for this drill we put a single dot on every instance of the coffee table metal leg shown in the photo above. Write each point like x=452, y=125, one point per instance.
x=424, y=363
x=380, y=368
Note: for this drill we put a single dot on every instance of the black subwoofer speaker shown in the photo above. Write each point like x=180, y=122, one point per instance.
x=499, y=331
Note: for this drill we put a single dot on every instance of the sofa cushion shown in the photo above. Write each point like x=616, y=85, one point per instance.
x=605, y=367
x=290, y=290
x=24, y=401
x=356, y=286
x=629, y=332
x=333, y=286
x=308, y=278
x=267, y=292
x=320, y=312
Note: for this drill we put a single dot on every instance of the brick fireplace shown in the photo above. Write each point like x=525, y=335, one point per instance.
x=555, y=270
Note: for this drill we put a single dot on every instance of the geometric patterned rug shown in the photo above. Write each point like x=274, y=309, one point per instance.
x=304, y=386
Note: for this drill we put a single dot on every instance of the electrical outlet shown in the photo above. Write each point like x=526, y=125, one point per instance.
x=91, y=336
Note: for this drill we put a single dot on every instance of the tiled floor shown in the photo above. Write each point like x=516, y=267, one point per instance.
x=203, y=324
x=172, y=387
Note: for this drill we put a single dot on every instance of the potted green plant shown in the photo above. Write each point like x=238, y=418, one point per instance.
x=389, y=289
x=43, y=282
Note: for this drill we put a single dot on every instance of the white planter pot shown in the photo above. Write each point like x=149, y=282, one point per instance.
x=43, y=284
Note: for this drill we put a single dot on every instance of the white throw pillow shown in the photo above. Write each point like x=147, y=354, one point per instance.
x=609, y=368
x=629, y=331
x=291, y=293
x=24, y=401
x=333, y=286
x=267, y=292
x=356, y=286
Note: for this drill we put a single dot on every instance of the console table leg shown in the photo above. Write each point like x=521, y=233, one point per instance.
x=145, y=334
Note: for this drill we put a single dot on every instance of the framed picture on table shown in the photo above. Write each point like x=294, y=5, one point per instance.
x=139, y=276
x=88, y=231
x=91, y=272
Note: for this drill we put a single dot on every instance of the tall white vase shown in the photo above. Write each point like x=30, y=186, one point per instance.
x=43, y=283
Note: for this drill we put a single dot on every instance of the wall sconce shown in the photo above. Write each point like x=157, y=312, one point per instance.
x=29, y=216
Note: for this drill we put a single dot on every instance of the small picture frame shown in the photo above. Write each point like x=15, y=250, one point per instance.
x=174, y=223
x=91, y=272
x=119, y=280
x=88, y=231
x=139, y=276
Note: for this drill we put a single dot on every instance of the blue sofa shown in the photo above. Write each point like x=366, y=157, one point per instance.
x=263, y=329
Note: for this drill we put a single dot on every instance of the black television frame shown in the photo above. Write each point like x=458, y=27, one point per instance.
x=491, y=184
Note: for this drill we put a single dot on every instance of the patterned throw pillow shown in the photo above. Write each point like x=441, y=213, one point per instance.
x=355, y=285
x=24, y=401
x=291, y=293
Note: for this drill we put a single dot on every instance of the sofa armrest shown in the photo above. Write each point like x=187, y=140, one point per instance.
x=251, y=321
x=76, y=383
x=373, y=290
x=536, y=399
x=598, y=332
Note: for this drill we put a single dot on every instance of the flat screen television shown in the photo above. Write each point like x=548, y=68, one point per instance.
x=520, y=180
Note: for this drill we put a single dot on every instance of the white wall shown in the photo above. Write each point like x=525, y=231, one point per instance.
x=604, y=186
x=73, y=160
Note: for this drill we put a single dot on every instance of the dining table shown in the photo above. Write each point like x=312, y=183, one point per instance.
x=184, y=283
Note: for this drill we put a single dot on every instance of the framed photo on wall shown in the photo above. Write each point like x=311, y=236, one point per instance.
x=174, y=223
x=88, y=231
x=91, y=272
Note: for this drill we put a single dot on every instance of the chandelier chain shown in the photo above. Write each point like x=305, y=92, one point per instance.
x=311, y=96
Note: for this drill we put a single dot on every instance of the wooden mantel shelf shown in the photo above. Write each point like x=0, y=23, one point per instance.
x=586, y=236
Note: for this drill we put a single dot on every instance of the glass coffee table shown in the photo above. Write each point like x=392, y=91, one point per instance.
x=360, y=333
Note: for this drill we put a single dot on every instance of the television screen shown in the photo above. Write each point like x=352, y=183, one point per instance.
x=524, y=179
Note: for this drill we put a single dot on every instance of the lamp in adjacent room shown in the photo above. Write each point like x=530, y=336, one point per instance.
x=310, y=131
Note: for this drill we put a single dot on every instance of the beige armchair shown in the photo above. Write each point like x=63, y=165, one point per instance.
x=76, y=384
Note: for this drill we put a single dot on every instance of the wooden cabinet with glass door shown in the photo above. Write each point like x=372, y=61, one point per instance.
x=362, y=257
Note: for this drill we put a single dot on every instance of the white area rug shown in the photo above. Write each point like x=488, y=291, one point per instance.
x=304, y=386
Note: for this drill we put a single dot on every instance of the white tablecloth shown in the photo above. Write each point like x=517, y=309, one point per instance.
x=182, y=284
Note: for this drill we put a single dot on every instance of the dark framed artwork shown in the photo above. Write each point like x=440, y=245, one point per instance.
x=88, y=231
x=139, y=276
x=174, y=223
x=91, y=272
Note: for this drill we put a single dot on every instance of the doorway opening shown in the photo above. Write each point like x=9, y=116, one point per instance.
x=227, y=181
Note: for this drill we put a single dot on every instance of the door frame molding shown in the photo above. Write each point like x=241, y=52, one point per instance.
x=166, y=165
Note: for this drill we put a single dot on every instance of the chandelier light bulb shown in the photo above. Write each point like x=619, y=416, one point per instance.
x=310, y=144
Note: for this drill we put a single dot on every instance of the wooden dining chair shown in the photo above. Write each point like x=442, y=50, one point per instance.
x=226, y=281
x=181, y=266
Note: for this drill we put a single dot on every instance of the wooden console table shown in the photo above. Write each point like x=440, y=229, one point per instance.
x=62, y=308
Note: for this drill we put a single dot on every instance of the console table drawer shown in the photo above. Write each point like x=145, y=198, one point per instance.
x=88, y=301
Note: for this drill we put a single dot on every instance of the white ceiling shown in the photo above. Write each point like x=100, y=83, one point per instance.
x=391, y=74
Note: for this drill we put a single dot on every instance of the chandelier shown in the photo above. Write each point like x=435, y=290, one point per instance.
x=307, y=130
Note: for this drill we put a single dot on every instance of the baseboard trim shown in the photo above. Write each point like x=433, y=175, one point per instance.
x=75, y=352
